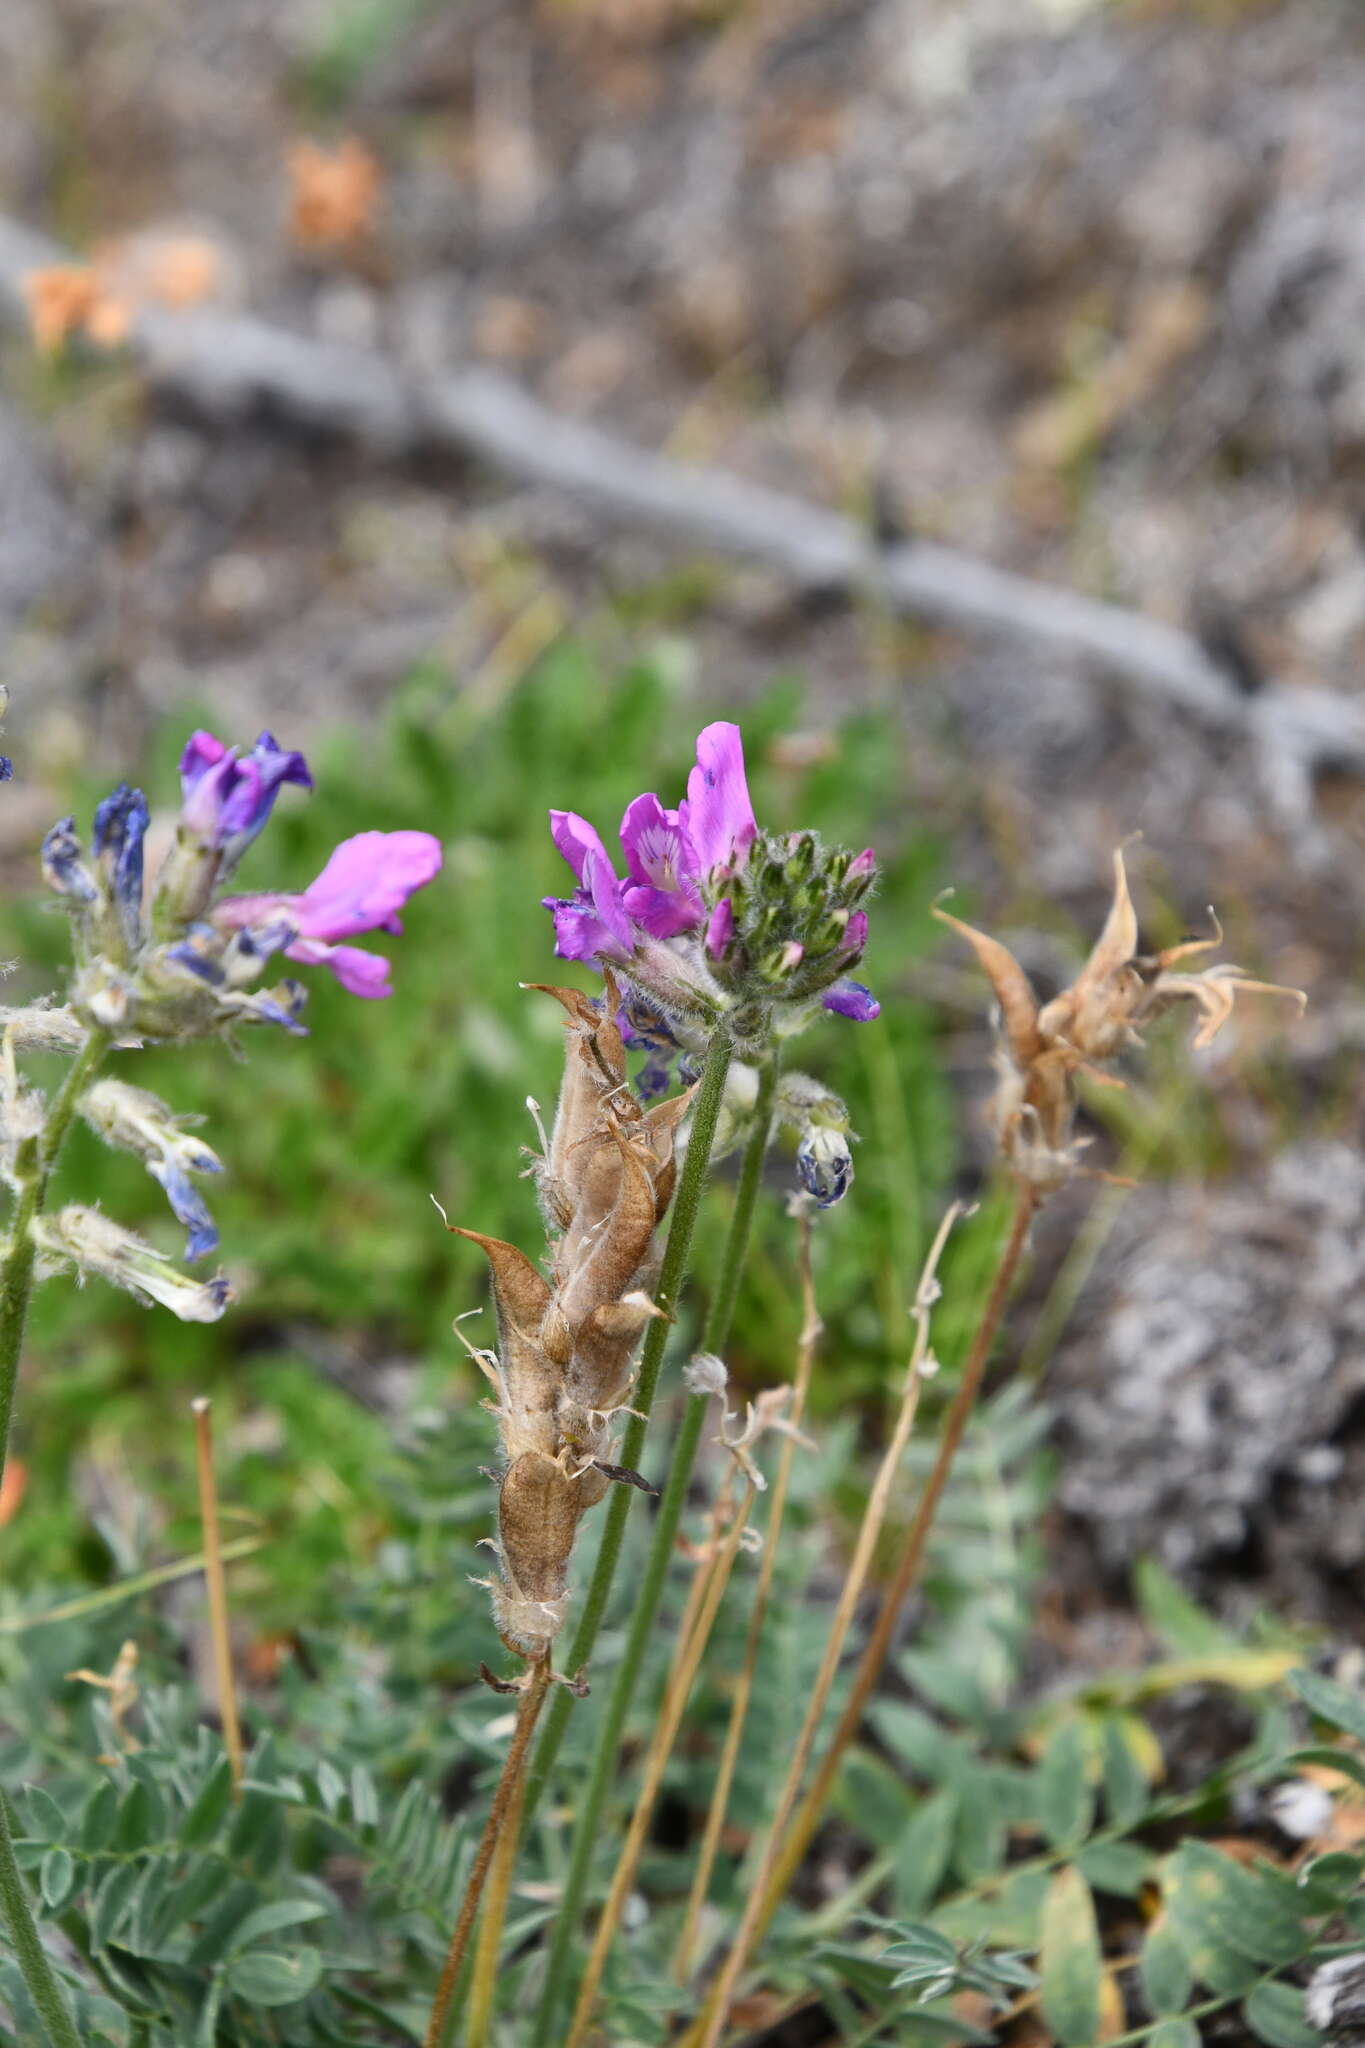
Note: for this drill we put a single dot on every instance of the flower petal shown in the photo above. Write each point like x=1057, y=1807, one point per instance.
x=579, y=933
x=718, y=816
x=604, y=892
x=360, y=973
x=364, y=885
x=850, y=999
x=576, y=839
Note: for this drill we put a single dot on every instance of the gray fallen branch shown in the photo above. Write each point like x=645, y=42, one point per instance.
x=227, y=365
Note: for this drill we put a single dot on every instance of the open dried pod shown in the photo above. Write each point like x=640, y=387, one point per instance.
x=1040, y=1051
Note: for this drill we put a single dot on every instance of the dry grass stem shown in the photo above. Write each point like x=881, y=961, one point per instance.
x=713, y=2018
x=684, y=1954
x=705, y=1596
x=907, y=1570
x=483, y=1982
x=503, y=1813
x=217, y=1585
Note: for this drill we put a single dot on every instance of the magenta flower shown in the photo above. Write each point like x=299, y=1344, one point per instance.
x=362, y=889
x=226, y=799
x=711, y=914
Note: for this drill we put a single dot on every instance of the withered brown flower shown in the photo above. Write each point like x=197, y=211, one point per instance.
x=1041, y=1050
x=566, y=1344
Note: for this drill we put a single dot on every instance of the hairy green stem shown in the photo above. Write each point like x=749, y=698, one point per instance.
x=672, y=1273
x=605, y=1757
x=34, y=1160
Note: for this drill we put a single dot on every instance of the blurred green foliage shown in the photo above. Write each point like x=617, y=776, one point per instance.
x=334, y=1146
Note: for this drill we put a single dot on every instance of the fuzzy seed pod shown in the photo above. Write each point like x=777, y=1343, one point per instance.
x=566, y=1345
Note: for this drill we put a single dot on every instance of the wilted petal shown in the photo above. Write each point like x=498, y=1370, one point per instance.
x=850, y=999
x=1117, y=943
x=187, y=1205
x=120, y=828
x=1013, y=989
x=63, y=867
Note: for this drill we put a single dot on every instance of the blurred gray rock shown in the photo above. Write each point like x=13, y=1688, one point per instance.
x=1212, y=1396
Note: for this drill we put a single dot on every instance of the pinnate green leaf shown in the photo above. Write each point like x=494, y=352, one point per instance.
x=1332, y=1701
x=1274, y=2012
x=274, y=1918
x=57, y=1877
x=1065, y=1802
x=209, y=1809
x=1069, y=1960
x=1167, y=1979
x=263, y=1978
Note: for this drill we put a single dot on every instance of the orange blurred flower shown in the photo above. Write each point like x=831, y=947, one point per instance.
x=74, y=298
x=333, y=192
x=98, y=299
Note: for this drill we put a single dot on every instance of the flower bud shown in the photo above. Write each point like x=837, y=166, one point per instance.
x=85, y=1238
x=227, y=802
x=64, y=867
x=120, y=828
x=824, y=1157
x=825, y=1164
x=42, y=1027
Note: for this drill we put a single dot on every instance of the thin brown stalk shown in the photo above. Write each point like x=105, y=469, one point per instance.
x=713, y=1578
x=504, y=1810
x=912, y=1557
x=739, y=1710
x=710, y=2026
x=483, y=1981
x=202, y=1411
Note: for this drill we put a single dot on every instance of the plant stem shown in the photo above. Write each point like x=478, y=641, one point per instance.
x=912, y=1557
x=217, y=1587
x=502, y=1811
x=33, y=1167
x=874, y=1515
x=605, y=1757
x=484, y=1980
x=739, y=1709
x=34, y=1160
x=672, y=1274
x=29, y=1952
x=785, y=1857
x=691, y=1649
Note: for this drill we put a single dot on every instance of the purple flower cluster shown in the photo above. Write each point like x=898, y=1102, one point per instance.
x=745, y=915
x=179, y=961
